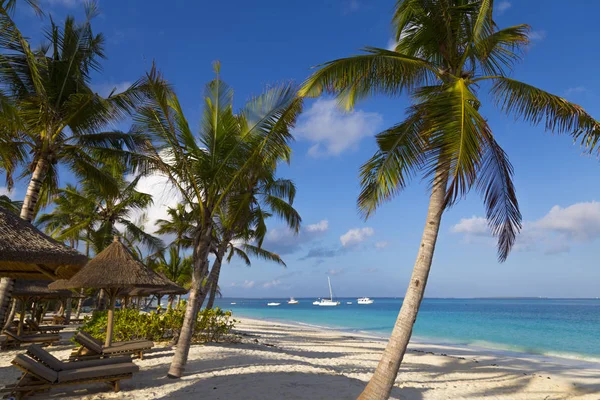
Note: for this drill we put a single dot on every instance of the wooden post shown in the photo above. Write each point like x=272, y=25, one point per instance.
x=112, y=298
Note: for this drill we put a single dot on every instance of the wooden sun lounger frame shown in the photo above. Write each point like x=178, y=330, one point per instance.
x=35, y=327
x=14, y=340
x=30, y=383
x=85, y=353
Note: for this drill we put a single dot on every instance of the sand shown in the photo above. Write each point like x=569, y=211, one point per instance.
x=285, y=361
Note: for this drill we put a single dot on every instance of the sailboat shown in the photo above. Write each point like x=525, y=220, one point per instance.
x=328, y=302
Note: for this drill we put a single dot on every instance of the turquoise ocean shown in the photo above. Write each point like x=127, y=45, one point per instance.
x=568, y=328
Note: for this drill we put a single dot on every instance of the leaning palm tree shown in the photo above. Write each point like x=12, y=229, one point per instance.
x=54, y=117
x=208, y=166
x=447, y=50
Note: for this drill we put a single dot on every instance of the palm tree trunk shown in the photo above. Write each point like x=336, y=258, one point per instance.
x=200, y=268
x=213, y=277
x=170, y=303
x=382, y=382
x=11, y=314
x=79, y=303
x=101, y=300
x=68, y=309
x=213, y=287
x=27, y=213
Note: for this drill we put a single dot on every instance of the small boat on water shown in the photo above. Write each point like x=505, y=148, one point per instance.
x=273, y=304
x=328, y=302
x=233, y=304
x=317, y=302
x=348, y=302
x=292, y=301
x=364, y=300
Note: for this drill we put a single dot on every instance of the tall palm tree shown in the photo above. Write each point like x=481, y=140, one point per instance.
x=447, y=50
x=208, y=166
x=53, y=115
x=180, y=223
x=240, y=226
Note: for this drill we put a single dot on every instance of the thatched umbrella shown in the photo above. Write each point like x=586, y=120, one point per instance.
x=115, y=270
x=28, y=253
x=170, y=288
x=28, y=290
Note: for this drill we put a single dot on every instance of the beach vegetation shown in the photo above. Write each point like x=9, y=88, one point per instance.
x=213, y=325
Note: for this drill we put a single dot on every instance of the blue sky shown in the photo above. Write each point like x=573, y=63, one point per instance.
x=269, y=41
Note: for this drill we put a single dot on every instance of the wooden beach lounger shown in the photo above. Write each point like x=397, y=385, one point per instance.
x=39, y=354
x=39, y=377
x=43, y=328
x=12, y=339
x=93, y=348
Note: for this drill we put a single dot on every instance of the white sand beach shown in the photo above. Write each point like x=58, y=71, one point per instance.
x=284, y=361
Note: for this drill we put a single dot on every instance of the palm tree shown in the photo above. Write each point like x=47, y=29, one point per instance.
x=207, y=167
x=52, y=114
x=446, y=51
x=72, y=218
x=11, y=205
x=180, y=224
x=176, y=268
x=242, y=219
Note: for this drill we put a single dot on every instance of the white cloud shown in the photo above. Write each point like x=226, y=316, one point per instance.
x=554, y=233
x=320, y=226
x=273, y=283
x=575, y=90
x=5, y=192
x=356, y=236
x=246, y=284
x=382, y=245
x=337, y=271
x=503, y=6
x=476, y=226
x=537, y=36
x=105, y=89
x=164, y=196
x=283, y=240
x=333, y=131
x=580, y=221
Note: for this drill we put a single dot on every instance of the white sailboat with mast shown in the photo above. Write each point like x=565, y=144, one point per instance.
x=327, y=302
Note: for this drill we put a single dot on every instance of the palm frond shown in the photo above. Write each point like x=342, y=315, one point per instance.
x=537, y=106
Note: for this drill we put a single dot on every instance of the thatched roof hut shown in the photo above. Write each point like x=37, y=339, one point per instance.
x=28, y=253
x=169, y=288
x=39, y=289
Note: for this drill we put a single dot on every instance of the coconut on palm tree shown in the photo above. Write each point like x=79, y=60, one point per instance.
x=208, y=166
x=447, y=52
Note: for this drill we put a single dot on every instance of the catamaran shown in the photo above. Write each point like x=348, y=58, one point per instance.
x=327, y=302
x=292, y=301
x=364, y=300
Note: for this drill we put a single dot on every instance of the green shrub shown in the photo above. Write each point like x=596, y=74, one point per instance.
x=129, y=324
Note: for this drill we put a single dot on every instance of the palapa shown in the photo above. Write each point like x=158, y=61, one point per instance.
x=113, y=269
x=28, y=253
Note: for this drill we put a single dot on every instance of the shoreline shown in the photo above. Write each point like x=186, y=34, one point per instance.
x=276, y=360
x=497, y=349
